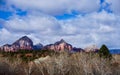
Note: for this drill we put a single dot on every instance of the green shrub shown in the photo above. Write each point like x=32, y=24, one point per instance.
x=104, y=52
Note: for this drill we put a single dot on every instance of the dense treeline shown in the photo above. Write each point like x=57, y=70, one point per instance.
x=27, y=55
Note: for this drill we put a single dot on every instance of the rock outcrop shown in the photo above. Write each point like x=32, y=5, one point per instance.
x=26, y=43
x=92, y=48
x=6, y=48
x=22, y=43
x=59, y=46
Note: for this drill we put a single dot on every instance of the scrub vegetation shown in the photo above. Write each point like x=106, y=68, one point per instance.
x=48, y=62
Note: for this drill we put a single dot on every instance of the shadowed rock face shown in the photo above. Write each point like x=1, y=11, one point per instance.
x=22, y=43
x=38, y=46
x=59, y=46
x=77, y=50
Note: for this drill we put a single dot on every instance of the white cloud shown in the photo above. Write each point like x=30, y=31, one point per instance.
x=95, y=28
x=42, y=24
x=114, y=5
x=92, y=28
x=56, y=7
x=5, y=36
x=105, y=28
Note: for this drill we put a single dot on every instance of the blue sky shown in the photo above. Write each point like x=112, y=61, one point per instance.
x=81, y=23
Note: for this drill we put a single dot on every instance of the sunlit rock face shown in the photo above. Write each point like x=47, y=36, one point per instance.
x=7, y=48
x=23, y=43
x=92, y=48
x=59, y=46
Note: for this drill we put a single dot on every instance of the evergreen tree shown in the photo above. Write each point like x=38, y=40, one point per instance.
x=104, y=52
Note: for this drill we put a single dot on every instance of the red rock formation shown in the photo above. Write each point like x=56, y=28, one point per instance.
x=22, y=43
x=7, y=48
x=59, y=46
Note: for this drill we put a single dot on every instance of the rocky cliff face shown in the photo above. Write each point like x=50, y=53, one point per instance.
x=26, y=43
x=6, y=48
x=92, y=48
x=22, y=43
x=59, y=46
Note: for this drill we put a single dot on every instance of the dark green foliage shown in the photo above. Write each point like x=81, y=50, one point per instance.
x=104, y=52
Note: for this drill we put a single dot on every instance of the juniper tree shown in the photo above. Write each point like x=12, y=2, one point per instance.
x=104, y=52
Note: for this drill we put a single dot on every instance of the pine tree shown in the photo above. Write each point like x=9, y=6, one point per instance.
x=104, y=52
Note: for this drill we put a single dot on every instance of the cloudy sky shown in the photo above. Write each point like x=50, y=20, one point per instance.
x=80, y=22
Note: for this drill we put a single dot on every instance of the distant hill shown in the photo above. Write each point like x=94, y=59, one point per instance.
x=25, y=43
x=115, y=51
